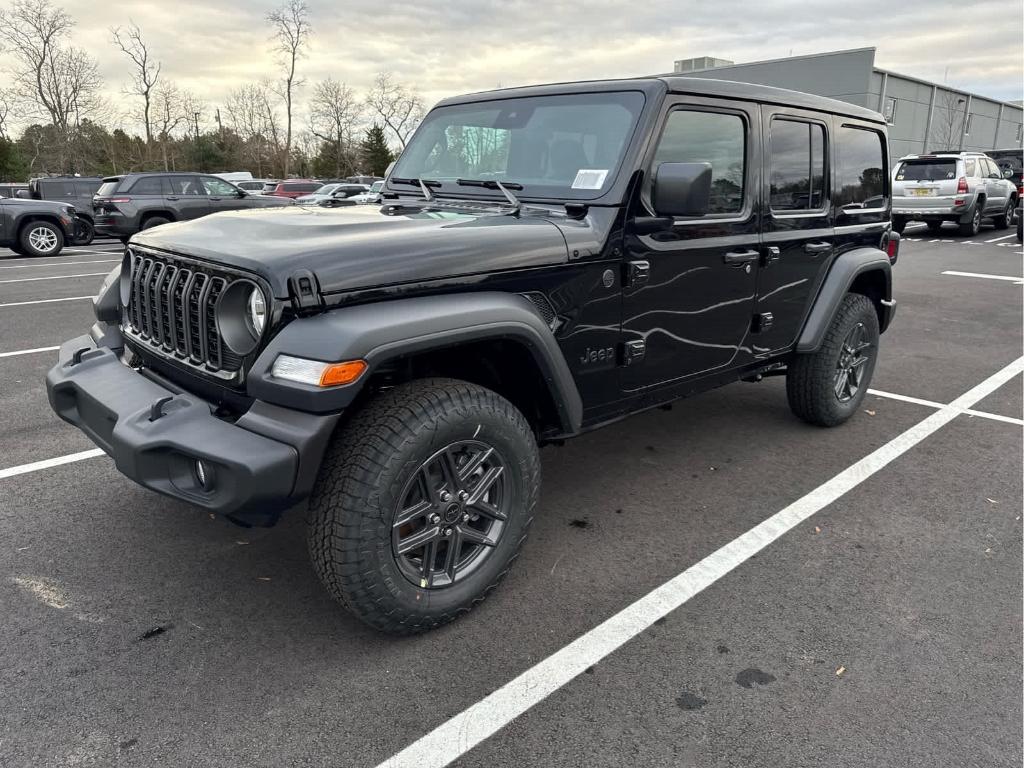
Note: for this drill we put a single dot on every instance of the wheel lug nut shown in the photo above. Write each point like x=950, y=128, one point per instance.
x=445, y=496
x=447, y=531
x=435, y=518
x=463, y=495
x=465, y=518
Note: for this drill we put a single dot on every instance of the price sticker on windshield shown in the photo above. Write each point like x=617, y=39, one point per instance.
x=589, y=179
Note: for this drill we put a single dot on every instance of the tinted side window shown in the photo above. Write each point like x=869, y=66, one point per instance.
x=147, y=185
x=709, y=137
x=797, y=171
x=185, y=185
x=861, y=174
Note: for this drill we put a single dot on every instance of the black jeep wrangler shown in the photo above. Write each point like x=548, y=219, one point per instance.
x=546, y=260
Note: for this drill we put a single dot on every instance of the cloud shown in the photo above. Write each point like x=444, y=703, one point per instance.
x=470, y=45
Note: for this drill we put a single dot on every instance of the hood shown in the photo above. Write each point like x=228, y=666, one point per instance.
x=38, y=205
x=362, y=246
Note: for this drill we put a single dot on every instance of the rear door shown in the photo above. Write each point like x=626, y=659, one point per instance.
x=690, y=289
x=995, y=187
x=187, y=197
x=797, y=229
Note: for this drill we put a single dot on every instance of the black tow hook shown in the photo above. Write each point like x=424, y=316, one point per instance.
x=156, y=410
x=76, y=357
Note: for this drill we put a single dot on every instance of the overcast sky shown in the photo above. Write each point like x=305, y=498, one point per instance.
x=212, y=46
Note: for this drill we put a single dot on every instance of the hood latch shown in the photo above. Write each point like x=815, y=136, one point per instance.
x=304, y=291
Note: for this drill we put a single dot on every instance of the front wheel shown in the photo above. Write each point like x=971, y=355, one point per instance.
x=1005, y=219
x=41, y=238
x=827, y=386
x=422, y=503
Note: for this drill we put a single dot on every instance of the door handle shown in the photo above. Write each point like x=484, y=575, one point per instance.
x=816, y=248
x=739, y=258
x=172, y=198
x=215, y=199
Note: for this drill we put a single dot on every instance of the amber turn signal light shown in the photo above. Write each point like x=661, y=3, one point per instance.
x=342, y=373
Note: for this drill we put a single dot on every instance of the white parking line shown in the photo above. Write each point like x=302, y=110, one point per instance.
x=28, y=351
x=954, y=273
x=933, y=404
x=43, y=301
x=997, y=239
x=461, y=733
x=52, y=277
x=35, y=466
x=60, y=264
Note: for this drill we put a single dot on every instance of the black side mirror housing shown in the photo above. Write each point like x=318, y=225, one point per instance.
x=682, y=189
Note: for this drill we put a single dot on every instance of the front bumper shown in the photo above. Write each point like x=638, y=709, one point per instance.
x=260, y=464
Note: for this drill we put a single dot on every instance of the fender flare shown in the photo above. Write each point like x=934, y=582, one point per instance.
x=844, y=270
x=384, y=330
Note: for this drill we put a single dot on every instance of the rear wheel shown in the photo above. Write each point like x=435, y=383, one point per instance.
x=154, y=221
x=826, y=387
x=422, y=503
x=85, y=232
x=971, y=227
x=1005, y=219
x=41, y=238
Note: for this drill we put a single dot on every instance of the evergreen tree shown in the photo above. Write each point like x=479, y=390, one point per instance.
x=12, y=165
x=375, y=151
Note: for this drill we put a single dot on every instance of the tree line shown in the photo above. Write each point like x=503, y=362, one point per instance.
x=57, y=89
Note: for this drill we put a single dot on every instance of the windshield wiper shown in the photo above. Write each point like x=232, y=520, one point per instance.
x=495, y=184
x=423, y=184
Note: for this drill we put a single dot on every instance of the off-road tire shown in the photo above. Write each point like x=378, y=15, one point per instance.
x=25, y=238
x=85, y=233
x=811, y=377
x=973, y=226
x=154, y=221
x=367, y=466
x=1005, y=219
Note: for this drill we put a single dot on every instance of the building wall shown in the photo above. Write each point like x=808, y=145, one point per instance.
x=852, y=76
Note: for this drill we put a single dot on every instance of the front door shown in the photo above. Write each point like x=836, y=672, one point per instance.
x=187, y=197
x=689, y=288
x=797, y=232
x=221, y=195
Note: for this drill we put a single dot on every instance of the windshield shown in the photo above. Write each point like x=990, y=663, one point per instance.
x=926, y=170
x=567, y=146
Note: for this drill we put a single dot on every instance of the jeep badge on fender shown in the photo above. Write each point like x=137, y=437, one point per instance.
x=396, y=368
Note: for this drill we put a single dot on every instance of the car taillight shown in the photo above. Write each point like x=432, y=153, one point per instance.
x=961, y=186
x=892, y=247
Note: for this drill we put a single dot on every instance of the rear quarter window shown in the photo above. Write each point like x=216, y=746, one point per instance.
x=108, y=187
x=861, y=173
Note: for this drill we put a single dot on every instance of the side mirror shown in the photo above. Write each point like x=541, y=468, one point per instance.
x=240, y=193
x=682, y=189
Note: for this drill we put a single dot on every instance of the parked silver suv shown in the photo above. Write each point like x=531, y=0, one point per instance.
x=964, y=187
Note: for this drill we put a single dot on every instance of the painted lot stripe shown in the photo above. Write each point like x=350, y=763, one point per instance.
x=61, y=264
x=43, y=301
x=52, y=277
x=933, y=404
x=997, y=239
x=28, y=351
x=35, y=466
x=457, y=736
x=954, y=273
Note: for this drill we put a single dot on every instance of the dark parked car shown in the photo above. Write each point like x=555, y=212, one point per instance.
x=127, y=204
x=78, y=192
x=625, y=244
x=35, y=227
x=10, y=189
x=292, y=188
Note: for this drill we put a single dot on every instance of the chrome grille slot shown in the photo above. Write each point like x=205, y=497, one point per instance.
x=172, y=308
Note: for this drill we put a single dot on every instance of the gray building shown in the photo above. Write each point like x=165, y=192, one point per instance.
x=922, y=116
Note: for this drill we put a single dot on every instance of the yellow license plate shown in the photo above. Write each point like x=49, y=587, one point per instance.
x=922, y=192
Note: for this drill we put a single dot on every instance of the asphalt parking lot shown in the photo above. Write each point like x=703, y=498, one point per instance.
x=872, y=617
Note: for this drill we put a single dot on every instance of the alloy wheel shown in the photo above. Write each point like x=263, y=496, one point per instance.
x=451, y=515
x=42, y=239
x=853, y=358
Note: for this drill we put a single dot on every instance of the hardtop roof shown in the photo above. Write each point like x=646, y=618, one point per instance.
x=698, y=86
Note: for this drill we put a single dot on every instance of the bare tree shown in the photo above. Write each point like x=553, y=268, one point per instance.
x=948, y=124
x=252, y=115
x=145, y=71
x=6, y=104
x=399, y=108
x=172, y=109
x=333, y=114
x=291, y=31
x=62, y=82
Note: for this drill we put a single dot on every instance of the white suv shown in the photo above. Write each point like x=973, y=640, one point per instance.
x=964, y=187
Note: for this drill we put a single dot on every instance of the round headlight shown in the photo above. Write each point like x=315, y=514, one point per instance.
x=257, y=311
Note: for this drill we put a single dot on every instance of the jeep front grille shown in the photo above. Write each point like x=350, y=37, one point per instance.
x=171, y=309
